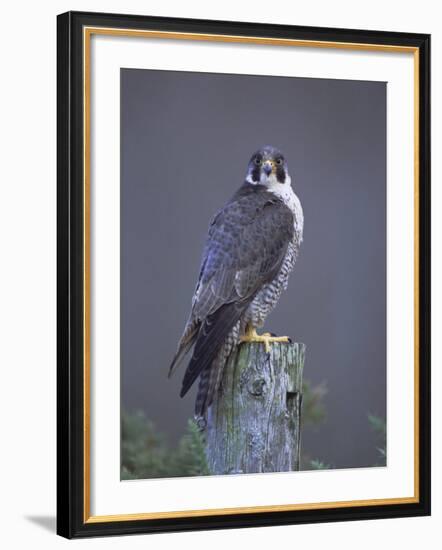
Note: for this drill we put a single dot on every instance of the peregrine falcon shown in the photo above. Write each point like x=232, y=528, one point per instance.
x=251, y=248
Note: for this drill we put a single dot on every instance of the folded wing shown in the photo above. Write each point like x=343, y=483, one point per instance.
x=246, y=245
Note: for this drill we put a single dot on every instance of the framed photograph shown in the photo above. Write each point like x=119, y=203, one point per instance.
x=243, y=274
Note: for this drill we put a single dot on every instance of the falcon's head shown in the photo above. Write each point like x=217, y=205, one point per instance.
x=268, y=167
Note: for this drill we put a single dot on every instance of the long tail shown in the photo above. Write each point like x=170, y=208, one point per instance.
x=210, y=378
x=202, y=397
x=211, y=337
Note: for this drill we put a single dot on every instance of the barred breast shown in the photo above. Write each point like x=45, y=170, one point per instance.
x=269, y=295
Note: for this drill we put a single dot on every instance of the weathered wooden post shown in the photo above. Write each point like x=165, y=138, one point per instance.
x=253, y=424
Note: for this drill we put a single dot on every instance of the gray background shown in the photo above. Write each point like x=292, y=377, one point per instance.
x=186, y=139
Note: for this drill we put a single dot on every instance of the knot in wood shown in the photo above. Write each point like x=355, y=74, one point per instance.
x=257, y=387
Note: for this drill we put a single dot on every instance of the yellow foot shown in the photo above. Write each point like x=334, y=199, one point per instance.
x=252, y=336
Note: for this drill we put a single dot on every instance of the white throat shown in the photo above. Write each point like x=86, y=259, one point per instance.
x=268, y=181
x=285, y=192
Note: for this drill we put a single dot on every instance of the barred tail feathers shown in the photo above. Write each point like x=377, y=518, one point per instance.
x=210, y=378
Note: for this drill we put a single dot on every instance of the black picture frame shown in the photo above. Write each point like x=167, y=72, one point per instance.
x=71, y=518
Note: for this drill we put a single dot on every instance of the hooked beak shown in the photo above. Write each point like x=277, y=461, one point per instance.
x=267, y=168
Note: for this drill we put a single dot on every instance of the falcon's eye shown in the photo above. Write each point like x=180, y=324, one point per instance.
x=258, y=161
x=279, y=161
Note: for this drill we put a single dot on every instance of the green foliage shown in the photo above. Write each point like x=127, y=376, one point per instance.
x=190, y=458
x=379, y=426
x=145, y=454
x=313, y=410
x=318, y=465
x=313, y=414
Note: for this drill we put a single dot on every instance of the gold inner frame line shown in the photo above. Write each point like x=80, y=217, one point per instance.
x=87, y=33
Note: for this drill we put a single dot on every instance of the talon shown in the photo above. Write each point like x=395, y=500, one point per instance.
x=267, y=338
x=267, y=345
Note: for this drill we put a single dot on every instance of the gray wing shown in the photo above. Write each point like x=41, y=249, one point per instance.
x=246, y=245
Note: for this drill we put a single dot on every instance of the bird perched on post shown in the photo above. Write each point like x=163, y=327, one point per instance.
x=251, y=248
